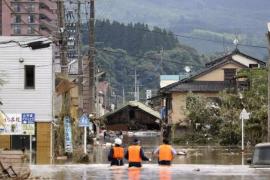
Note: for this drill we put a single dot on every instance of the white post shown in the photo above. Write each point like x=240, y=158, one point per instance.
x=242, y=119
x=30, y=156
x=84, y=140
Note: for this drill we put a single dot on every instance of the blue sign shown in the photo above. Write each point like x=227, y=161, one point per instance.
x=163, y=113
x=68, y=135
x=28, y=118
x=84, y=121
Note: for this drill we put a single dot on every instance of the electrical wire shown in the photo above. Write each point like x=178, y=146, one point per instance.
x=194, y=37
x=151, y=58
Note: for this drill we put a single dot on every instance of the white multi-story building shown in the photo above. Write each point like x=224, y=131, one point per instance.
x=28, y=88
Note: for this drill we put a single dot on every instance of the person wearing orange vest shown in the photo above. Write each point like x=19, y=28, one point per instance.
x=116, y=154
x=135, y=154
x=165, y=153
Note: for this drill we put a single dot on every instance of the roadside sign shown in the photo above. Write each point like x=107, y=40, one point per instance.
x=68, y=135
x=244, y=114
x=28, y=123
x=84, y=121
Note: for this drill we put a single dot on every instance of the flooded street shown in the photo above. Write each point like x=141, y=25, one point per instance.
x=150, y=171
x=216, y=155
x=200, y=163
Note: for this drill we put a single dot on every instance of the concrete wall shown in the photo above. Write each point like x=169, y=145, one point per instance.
x=178, y=112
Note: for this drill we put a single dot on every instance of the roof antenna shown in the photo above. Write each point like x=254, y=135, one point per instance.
x=236, y=42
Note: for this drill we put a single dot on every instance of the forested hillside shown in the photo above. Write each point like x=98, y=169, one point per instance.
x=210, y=19
x=123, y=48
x=136, y=38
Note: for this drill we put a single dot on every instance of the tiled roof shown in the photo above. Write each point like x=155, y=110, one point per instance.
x=138, y=105
x=200, y=86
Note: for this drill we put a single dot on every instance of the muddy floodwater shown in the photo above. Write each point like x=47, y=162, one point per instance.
x=199, y=163
x=150, y=171
x=216, y=155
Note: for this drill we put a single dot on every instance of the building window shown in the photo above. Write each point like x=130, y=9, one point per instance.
x=31, y=8
x=31, y=18
x=17, y=29
x=31, y=29
x=18, y=19
x=229, y=74
x=17, y=8
x=29, y=77
x=253, y=65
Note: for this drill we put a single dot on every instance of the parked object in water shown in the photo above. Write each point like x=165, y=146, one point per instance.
x=181, y=153
x=261, y=156
x=146, y=133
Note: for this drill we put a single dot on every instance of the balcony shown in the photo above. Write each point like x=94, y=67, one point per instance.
x=23, y=1
x=50, y=16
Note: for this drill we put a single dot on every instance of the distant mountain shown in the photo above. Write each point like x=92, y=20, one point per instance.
x=246, y=18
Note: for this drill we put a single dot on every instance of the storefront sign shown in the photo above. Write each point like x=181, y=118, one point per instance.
x=28, y=123
x=11, y=124
x=17, y=123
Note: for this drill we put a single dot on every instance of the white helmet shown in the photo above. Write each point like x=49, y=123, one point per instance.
x=118, y=141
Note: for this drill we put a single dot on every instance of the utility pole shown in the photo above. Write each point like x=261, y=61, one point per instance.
x=268, y=38
x=89, y=64
x=92, y=57
x=135, y=85
x=63, y=38
x=80, y=68
x=123, y=94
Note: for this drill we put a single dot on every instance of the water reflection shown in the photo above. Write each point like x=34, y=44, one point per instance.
x=134, y=173
x=150, y=172
x=165, y=173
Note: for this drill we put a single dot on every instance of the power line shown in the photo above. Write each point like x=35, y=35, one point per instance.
x=193, y=37
x=151, y=58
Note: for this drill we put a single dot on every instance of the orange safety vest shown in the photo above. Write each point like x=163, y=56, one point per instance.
x=118, y=152
x=165, y=152
x=134, y=153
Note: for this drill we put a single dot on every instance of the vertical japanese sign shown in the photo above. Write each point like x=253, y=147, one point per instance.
x=10, y=124
x=28, y=123
x=68, y=135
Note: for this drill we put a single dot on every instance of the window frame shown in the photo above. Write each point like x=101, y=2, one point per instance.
x=25, y=77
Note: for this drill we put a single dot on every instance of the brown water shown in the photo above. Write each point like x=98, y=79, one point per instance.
x=200, y=163
x=150, y=172
x=194, y=155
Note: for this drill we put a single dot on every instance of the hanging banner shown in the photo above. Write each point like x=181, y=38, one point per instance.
x=10, y=124
x=28, y=123
x=68, y=135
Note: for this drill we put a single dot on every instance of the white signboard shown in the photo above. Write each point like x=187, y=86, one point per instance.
x=148, y=94
x=17, y=123
x=244, y=114
x=11, y=124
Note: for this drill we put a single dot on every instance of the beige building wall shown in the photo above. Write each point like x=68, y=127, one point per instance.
x=178, y=112
x=217, y=74
x=5, y=142
x=44, y=143
x=244, y=60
